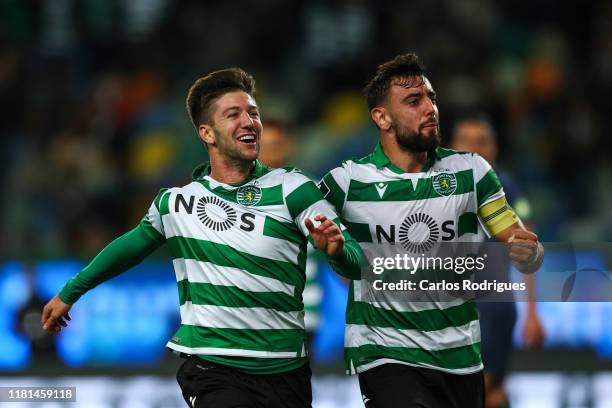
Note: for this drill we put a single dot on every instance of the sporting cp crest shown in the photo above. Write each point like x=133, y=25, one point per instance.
x=248, y=195
x=445, y=184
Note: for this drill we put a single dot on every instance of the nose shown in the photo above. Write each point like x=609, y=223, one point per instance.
x=430, y=108
x=246, y=120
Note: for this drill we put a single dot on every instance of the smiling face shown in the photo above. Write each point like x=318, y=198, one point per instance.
x=236, y=128
x=412, y=114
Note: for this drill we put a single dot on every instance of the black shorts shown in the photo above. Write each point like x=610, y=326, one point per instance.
x=211, y=385
x=398, y=385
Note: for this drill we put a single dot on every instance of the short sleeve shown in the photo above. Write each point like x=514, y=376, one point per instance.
x=305, y=200
x=488, y=186
x=152, y=221
x=334, y=186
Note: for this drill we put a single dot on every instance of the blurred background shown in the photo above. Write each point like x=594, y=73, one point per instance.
x=93, y=125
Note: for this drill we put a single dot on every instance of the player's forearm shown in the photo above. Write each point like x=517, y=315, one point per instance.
x=534, y=264
x=348, y=263
x=117, y=257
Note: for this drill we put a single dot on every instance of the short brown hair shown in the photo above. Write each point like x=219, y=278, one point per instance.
x=206, y=90
x=376, y=90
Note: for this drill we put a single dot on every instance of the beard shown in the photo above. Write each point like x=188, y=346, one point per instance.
x=417, y=141
x=230, y=148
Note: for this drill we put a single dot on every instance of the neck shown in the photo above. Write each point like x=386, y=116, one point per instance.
x=230, y=171
x=407, y=160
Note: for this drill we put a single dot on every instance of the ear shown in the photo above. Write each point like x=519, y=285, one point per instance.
x=207, y=134
x=381, y=117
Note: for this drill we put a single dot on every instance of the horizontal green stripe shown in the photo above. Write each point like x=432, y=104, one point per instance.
x=259, y=366
x=269, y=195
x=218, y=295
x=468, y=223
x=302, y=197
x=453, y=358
x=424, y=320
x=487, y=186
x=360, y=232
x=403, y=190
x=335, y=195
x=287, y=231
x=225, y=255
x=288, y=340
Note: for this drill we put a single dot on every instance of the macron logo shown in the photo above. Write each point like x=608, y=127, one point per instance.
x=381, y=188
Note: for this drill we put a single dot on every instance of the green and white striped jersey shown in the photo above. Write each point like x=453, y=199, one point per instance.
x=239, y=253
x=381, y=205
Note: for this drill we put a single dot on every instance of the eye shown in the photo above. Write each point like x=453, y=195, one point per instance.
x=254, y=114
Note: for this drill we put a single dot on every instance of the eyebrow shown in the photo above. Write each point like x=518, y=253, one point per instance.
x=227, y=110
x=430, y=93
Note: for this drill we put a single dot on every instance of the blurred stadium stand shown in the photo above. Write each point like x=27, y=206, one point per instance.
x=93, y=125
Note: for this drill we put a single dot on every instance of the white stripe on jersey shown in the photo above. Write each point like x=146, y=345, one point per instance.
x=225, y=317
x=207, y=272
x=189, y=226
x=215, y=351
x=450, y=337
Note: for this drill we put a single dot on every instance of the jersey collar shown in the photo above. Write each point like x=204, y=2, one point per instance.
x=203, y=170
x=380, y=160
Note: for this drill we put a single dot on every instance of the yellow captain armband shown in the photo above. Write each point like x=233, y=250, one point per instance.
x=497, y=215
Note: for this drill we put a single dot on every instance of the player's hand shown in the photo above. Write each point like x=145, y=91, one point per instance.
x=533, y=332
x=327, y=237
x=523, y=249
x=53, y=315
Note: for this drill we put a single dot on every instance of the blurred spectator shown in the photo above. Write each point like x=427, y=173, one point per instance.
x=277, y=146
x=93, y=111
x=497, y=319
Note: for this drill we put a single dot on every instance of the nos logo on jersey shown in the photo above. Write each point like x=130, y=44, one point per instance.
x=445, y=184
x=216, y=214
x=418, y=232
x=248, y=195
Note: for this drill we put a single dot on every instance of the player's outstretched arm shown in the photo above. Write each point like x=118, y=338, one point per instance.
x=117, y=257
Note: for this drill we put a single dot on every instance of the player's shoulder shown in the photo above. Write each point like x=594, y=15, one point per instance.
x=293, y=175
x=348, y=166
x=367, y=160
x=458, y=159
x=167, y=194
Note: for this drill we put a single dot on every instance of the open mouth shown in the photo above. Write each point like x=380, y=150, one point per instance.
x=250, y=139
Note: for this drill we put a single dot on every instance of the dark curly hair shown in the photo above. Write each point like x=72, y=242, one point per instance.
x=206, y=90
x=402, y=66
